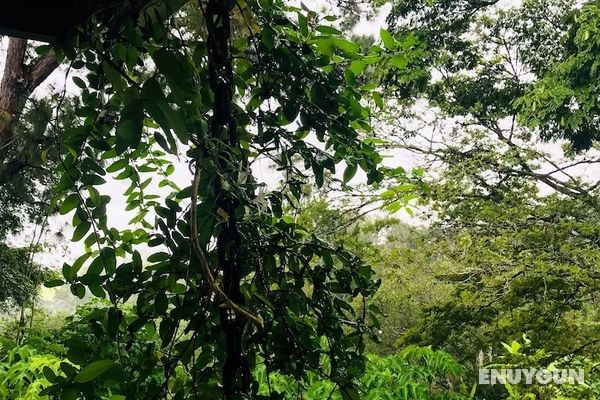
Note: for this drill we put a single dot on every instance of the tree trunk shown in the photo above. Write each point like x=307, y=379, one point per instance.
x=19, y=80
x=236, y=369
x=11, y=87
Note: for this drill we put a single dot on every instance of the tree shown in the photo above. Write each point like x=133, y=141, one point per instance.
x=235, y=280
x=562, y=104
x=22, y=75
x=410, y=262
x=19, y=276
x=474, y=101
x=28, y=158
x=507, y=210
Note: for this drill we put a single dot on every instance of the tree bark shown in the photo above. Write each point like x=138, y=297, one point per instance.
x=11, y=86
x=19, y=80
x=236, y=369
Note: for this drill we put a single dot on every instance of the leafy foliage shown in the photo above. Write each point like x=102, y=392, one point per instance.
x=233, y=277
x=24, y=373
x=563, y=103
x=28, y=163
x=413, y=373
x=520, y=355
x=224, y=286
x=20, y=277
x=522, y=264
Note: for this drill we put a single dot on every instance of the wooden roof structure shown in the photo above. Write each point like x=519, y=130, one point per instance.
x=45, y=21
x=57, y=20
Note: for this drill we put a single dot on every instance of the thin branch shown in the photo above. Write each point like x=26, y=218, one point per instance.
x=215, y=287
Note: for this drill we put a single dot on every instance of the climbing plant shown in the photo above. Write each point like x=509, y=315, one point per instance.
x=209, y=90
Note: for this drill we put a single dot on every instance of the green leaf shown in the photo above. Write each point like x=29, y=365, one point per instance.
x=346, y=45
x=410, y=41
x=105, y=261
x=114, y=320
x=81, y=230
x=78, y=290
x=79, y=82
x=49, y=374
x=77, y=266
x=158, y=257
x=93, y=370
x=152, y=90
x=160, y=139
x=166, y=330
x=206, y=223
x=320, y=96
x=357, y=67
x=131, y=57
x=94, y=195
x=97, y=291
x=318, y=171
x=303, y=23
x=68, y=369
x=328, y=30
x=394, y=207
x=130, y=126
x=378, y=100
x=54, y=283
x=78, y=64
x=175, y=121
x=161, y=303
x=108, y=257
x=161, y=112
x=69, y=204
x=325, y=45
x=120, y=51
x=349, y=172
x=113, y=76
x=399, y=61
x=90, y=240
x=96, y=267
x=290, y=110
x=178, y=288
x=43, y=49
x=268, y=37
x=473, y=390
x=92, y=180
x=176, y=68
x=117, y=165
x=388, y=40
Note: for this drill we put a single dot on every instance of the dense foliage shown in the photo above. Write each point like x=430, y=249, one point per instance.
x=26, y=370
x=234, y=277
x=215, y=282
x=527, y=257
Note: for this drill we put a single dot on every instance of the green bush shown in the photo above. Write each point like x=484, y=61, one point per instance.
x=520, y=354
x=414, y=373
x=24, y=373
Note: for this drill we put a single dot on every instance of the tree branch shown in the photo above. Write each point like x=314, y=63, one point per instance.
x=19, y=80
x=199, y=253
x=39, y=69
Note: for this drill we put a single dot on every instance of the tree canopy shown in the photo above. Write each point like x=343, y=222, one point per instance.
x=211, y=281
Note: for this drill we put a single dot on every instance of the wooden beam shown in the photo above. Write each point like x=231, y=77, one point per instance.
x=43, y=21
